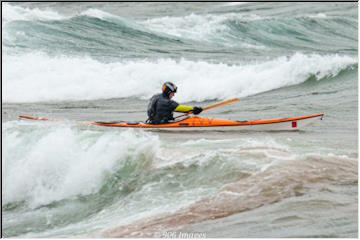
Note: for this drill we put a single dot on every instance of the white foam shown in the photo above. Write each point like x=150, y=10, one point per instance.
x=235, y=3
x=318, y=15
x=16, y=12
x=191, y=26
x=96, y=13
x=13, y=13
x=42, y=165
x=36, y=77
x=198, y=27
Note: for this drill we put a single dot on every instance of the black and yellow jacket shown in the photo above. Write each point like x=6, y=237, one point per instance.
x=161, y=109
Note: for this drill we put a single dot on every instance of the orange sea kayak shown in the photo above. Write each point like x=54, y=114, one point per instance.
x=202, y=123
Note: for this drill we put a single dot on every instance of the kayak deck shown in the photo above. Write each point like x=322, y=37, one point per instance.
x=202, y=123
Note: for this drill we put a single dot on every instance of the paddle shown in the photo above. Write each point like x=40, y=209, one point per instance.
x=214, y=105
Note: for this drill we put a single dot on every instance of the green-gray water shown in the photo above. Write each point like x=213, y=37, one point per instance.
x=102, y=61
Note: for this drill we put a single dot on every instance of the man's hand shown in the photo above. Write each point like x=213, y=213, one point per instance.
x=197, y=110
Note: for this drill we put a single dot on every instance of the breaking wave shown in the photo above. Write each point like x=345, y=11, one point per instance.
x=44, y=78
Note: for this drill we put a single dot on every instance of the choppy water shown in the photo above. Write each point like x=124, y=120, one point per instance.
x=102, y=61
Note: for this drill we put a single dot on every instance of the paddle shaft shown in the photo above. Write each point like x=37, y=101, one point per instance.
x=218, y=104
x=214, y=105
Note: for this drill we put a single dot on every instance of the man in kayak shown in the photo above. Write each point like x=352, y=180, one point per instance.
x=161, y=107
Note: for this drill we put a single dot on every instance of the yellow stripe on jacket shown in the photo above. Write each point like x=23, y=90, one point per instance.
x=183, y=108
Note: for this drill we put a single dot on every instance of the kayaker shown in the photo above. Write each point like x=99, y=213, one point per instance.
x=161, y=107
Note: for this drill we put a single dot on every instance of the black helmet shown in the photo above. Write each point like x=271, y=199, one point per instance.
x=168, y=88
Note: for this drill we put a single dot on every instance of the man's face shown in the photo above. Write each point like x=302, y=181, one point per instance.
x=171, y=95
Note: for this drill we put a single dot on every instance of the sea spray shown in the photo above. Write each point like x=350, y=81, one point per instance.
x=60, y=162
